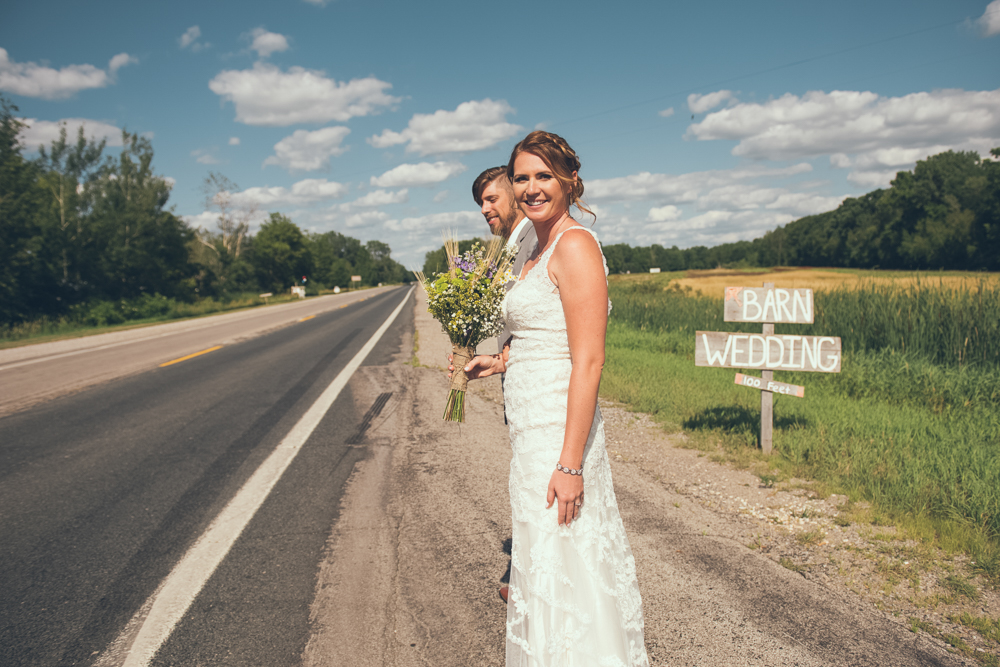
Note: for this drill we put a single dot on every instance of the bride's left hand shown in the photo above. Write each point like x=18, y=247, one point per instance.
x=568, y=489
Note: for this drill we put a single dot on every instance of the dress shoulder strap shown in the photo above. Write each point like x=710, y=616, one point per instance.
x=560, y=235
x=589, y=231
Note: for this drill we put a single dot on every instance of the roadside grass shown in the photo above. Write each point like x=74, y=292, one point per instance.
x=987, y=627
x=908, y=428
x=106, y=317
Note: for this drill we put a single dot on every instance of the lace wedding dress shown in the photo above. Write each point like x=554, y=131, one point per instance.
x=574, y=600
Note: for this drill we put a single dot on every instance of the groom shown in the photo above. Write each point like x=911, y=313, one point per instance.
x=494, y=193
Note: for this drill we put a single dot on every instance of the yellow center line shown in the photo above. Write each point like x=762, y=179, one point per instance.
x=191, y=356
x=345, y=305
x=307, y=317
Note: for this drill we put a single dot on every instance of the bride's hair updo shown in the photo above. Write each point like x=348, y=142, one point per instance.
x=559, y=157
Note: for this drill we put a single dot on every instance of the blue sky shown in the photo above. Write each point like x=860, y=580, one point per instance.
x=696, y=123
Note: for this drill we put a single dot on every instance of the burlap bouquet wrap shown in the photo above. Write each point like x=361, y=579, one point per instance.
x=467, y=300
x=454, y=410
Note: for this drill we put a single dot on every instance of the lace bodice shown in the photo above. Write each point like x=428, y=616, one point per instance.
x=574, y=599
x=533, y=310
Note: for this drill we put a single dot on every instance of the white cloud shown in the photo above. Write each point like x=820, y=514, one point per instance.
x=805, y=203
x=472, y=126
x=436, y=223
x=365, y=219
x=840, y=161
x=663, y=214
x=265, y=43
x=203, y=220
x=441, y=196
x=190, y=38
x=119, y=61
x=308, y=151
x=683, y=188
x=708, y=207
x=319, y=3
x=266, y=95
x=43, y=132
x=416, y=175
x=204, y=156
x=210, y=219
x=705, y=220
x=378, y=198
x=304, y=192
x=872, y=179
x=33, y=80
x=709, y=228
x=667, y=113
x=702, y=103
x=234, y=141
x=989, y=22
x=877, y=131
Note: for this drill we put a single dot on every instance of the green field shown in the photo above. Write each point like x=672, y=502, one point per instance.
x=911, y=424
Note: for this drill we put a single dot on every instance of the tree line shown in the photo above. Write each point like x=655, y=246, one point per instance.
x=79, y=227
x=944, y=214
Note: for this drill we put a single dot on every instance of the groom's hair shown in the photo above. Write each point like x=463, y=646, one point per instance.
x=498, y=174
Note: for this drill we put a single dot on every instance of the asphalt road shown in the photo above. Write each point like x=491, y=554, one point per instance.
x=103, y=491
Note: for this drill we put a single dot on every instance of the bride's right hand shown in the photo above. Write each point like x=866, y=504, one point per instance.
x=480, y=366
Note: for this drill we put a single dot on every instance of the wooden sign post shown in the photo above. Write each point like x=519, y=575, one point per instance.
x=765, y=350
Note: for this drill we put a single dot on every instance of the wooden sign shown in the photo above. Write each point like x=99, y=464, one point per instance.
x=722, y=349
x=770, y=385
x=768, y=304
x=766, y=351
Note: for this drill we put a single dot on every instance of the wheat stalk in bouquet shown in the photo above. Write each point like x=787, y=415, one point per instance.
x=466, y=300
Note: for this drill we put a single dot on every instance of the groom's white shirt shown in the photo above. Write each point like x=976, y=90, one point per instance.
x=519, y=228
x=523, y=238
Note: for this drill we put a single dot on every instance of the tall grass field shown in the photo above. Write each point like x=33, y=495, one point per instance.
x=911, y=424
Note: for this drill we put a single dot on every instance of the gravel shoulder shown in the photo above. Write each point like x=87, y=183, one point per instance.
x=414, y=562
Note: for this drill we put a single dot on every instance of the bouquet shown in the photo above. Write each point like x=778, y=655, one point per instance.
x=466, y=300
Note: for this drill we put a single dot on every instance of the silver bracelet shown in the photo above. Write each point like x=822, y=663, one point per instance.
x=569, y=471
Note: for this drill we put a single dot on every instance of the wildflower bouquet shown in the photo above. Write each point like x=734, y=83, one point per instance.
x=466, y=301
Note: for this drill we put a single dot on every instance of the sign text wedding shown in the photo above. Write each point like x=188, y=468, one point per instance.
x=767, y=351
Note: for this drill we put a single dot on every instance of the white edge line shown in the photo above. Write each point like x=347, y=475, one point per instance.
x=155, y=620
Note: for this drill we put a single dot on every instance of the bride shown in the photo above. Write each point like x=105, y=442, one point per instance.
x=574, y=599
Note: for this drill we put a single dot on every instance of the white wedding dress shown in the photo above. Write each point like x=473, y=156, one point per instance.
x=574, y=599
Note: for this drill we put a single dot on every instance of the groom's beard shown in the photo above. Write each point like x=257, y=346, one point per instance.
x=508, y=221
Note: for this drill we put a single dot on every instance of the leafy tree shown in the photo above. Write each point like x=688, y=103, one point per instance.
x=234, y=219
x=384, y=269
x=281, y=254
x=143, y=246
x=70, y=172
x=330, y=258
x=25, y=284
x=223, y=256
